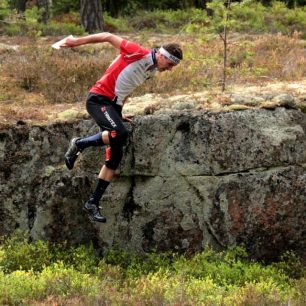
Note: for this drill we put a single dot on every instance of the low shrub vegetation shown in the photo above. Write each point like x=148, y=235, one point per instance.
x=41, y=273
x=64, y=76
x=246, y=17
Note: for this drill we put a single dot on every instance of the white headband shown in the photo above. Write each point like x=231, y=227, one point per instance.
x=169, y=56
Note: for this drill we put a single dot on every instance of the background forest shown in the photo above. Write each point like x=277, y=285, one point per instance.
x=51, y=17
x=265, y=43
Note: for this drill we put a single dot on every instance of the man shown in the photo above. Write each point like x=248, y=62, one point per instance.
x=130, y=69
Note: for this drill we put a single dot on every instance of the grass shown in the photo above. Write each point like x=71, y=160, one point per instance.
x=39, y=273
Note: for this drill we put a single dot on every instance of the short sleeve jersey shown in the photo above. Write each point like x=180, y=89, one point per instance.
x=131, y=68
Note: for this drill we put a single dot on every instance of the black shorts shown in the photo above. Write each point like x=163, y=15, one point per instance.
x=106, y=113
x=108, y=116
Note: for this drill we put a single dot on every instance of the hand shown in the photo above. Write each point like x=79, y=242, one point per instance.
x=70, y=43
x=127, y=118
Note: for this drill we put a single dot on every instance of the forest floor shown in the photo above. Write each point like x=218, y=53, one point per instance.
x=32, y=109
x=239, y=97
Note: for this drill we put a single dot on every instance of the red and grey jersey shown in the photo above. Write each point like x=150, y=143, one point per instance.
x=130, y=69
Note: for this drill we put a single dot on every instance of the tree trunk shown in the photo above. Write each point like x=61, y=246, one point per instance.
x=44, y=5
x=224, y=58
x=91, y=16
x=225, y=43
x=20, y=6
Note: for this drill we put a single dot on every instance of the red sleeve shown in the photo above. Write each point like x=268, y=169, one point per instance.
x=133, y=49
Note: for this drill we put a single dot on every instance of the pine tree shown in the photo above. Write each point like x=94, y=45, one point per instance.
x=91, y=15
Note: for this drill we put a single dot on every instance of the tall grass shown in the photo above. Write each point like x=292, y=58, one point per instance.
x=40, y=273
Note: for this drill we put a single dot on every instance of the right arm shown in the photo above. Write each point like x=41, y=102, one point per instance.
x=94, y=38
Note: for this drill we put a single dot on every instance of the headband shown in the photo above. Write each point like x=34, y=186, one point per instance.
x=169, y=56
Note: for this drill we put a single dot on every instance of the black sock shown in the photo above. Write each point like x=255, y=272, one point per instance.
x=90, y=141
x=98, y=193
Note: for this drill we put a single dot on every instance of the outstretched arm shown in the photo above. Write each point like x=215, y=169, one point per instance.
x=94, y=38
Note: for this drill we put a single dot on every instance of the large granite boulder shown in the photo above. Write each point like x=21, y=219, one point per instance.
x=187, y=179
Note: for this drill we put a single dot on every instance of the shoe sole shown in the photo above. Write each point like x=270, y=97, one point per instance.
x=92, y=218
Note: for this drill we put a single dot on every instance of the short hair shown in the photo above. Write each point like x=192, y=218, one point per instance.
x=174, y=49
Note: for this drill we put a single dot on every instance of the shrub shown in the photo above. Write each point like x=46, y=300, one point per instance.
x=250, y=18
x=4, y=10
x=18, y=253
x=119, y=24
x=20, y=287
x=135, y=265
x=291, y=265
x=61, y=280
x=168, y=21
x=59, y=28
x=265, y=292
x=64, y=76
x=245, y=17
x=227, y=268
x=69, y=275
x=60, y=76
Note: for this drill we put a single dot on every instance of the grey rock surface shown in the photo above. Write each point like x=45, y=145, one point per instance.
x=187, y=179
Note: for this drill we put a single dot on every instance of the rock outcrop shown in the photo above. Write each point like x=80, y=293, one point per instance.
x=187, y=179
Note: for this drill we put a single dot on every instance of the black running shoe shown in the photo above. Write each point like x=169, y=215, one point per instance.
x=72, y=153
x=94, y=212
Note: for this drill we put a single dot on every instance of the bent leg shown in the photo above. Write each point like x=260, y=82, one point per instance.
x=106, y=173
x=90, y=141
x=115, y=135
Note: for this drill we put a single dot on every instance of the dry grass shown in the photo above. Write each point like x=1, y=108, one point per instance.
x=37, y=82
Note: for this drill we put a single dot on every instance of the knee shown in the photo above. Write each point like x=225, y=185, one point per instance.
x=118, y=138
x=113, y=157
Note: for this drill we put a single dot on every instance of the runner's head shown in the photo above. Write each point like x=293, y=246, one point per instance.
x=169, y=56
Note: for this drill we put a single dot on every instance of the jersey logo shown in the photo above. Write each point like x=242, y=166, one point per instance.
x=108, y=117
x=108, y=153
x=114, y=134
x=133, y=54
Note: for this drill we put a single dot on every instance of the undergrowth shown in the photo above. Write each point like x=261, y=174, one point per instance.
x=246, y=17
x=41, y=273
x=64, y=76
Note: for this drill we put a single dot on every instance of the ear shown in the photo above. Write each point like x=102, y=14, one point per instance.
x=158, y=56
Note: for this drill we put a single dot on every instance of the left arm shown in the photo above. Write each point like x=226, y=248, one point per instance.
x=94, y=38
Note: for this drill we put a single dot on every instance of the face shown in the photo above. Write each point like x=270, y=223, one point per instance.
x=164, y=64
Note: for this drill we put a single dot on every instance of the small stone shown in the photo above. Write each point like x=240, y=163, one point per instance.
x=237, y=99
x=283, y=98
x=269, y=105
x=183, y=105
x=237, y=107
x=257, y=100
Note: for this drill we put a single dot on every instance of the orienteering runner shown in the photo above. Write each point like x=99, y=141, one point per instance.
x=105, y=100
